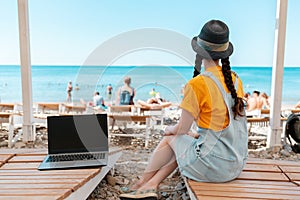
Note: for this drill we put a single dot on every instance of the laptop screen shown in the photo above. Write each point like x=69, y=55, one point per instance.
x=77, y=133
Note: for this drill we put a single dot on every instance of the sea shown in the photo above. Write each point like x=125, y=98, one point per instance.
x=49, y=83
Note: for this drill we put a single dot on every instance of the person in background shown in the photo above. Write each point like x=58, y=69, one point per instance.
x=253, y=101
x=69, y=91
x=126, y=93
x=219, y=150
x=76, y=87
x=98, y=101
x=152, y=93
x=109, y=89
x=263, y=101
x=154, y=102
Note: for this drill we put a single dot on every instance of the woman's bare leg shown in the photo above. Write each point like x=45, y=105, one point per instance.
x=161, y=164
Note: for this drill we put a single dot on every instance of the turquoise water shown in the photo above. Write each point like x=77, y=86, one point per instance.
x=49, y=82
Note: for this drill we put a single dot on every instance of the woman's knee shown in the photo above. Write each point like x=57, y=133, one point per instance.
x=170, y=140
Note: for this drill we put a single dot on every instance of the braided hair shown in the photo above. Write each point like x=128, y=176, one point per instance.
x=197, y=68
x=238, y=106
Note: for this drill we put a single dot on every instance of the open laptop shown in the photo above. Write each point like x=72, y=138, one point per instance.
x=76, y=141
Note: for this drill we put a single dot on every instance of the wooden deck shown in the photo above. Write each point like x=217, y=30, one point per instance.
x=260, y=179
x=20, y=179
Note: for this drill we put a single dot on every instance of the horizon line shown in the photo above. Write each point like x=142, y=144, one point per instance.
x=69, y=65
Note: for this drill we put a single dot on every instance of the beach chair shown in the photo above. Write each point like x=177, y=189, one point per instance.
x=260, y=179
x=11, y=107
x=156, y=111
x=73, y=108
x=48, y=108
x=127, y=114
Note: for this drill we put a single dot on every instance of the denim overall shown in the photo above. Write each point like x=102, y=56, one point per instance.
x=215, y=156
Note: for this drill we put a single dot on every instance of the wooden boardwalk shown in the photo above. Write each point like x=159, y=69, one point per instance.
x=20, y=179
x=260, y=179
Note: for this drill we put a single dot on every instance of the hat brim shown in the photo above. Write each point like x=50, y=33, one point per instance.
x=214, y=55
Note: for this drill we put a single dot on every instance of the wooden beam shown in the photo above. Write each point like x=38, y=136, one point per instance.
x=274, y=134
x=28, y=128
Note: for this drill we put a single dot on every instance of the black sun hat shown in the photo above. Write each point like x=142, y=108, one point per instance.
x=213, y=41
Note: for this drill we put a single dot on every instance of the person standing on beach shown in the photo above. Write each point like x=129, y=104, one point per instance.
x=126, y=93
x=213, y=99
x=109, y=89
x=69, y=91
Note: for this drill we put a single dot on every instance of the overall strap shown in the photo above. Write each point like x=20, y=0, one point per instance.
x=218, y=83
x=226, y=96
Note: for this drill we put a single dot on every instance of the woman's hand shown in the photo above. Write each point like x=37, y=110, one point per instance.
x=194, y=135
x=169, y=131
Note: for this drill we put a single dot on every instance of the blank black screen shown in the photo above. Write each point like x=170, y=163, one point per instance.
x=77, y=133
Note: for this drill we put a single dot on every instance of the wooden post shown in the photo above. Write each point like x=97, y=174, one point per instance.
x=275, y=130
x=27, y=128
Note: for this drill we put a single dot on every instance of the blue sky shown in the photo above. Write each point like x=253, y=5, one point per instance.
x=66, y=32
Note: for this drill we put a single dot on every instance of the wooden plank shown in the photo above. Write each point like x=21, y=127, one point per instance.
x=34, y=192
x=124, y=108
x=261, y=168
x=52, y=172
x=20, y=166
x=297, y=183
x=40, y=181
x=48, y=106
x=62, y=185
x=85, y=190
x=20, y=178
x=295, y=110
x=13, y=197
x=235, y=190
x=249, y=184
x=291, y=169
x=262, y=176
x=47, y=177
x=134, y=118
x=272, y=162
x=241, y=182
x=5, y=157
x=293, y=176
x=244, y=195
x=260, y=179
x=24, y=151
x=265, y=111
x=27, y=158
x=202, y=197
x=254, y=119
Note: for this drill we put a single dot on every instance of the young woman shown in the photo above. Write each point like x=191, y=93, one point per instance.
x=213, y=99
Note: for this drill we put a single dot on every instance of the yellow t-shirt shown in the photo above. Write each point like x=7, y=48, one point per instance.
x=203, y=99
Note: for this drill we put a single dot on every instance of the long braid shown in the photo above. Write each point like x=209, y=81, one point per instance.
x=197, y=68
x=238, y=102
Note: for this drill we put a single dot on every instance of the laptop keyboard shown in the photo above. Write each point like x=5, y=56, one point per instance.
x=74, y=157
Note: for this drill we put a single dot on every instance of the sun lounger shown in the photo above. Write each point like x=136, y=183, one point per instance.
x=128, y=114
x=20, y=179
x=48, y=108
x=296, y=111
x=7, y=107
x=73, y=109
x=260, y=179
